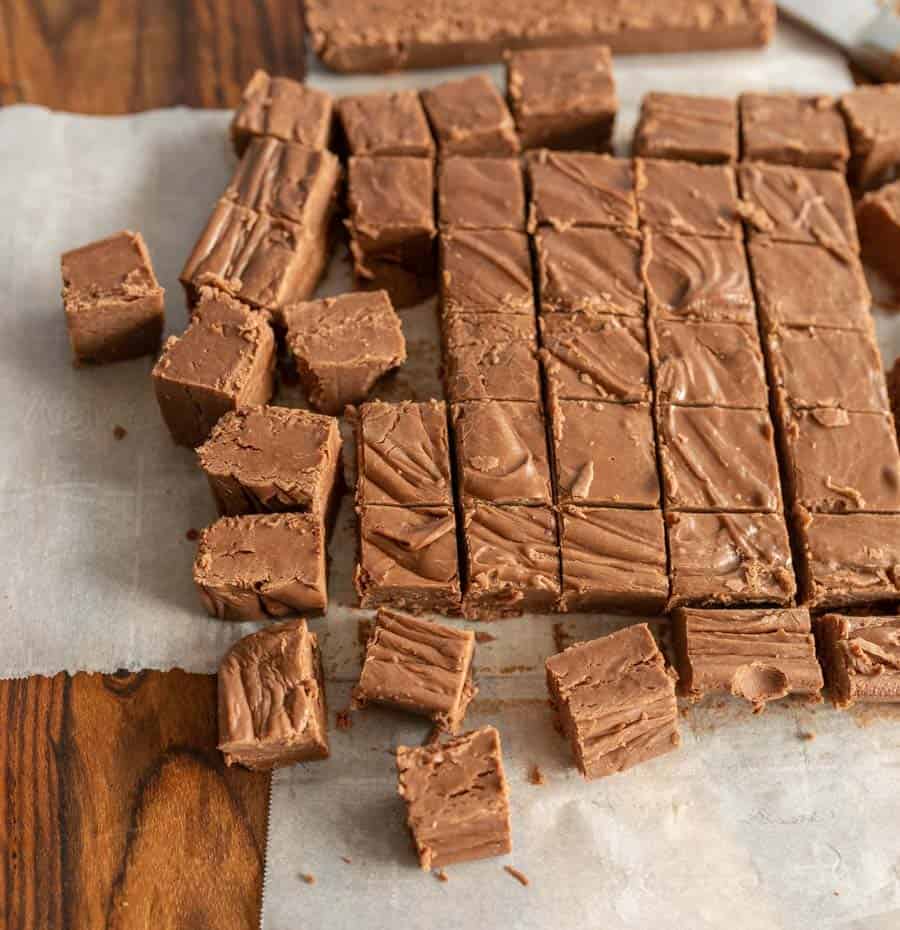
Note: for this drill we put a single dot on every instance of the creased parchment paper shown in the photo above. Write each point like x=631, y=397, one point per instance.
x=788, y=820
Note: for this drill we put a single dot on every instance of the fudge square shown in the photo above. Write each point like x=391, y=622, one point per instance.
x=760, y=655
x=615, y=701
x=419, y=666
x=261, y=566
x=481, y=193
x=113, y=303
x=457, y=800
x=687, y=127
x=225, y=359
x=562, y=98
x=271, y=459
x=386, y=123
x=861, y=656
x=272, y=708
x=873, y=121
x=878, y=223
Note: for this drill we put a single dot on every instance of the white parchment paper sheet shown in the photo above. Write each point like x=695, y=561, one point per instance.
x=750, y=825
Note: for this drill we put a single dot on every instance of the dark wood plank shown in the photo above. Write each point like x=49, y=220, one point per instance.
x=116, y=810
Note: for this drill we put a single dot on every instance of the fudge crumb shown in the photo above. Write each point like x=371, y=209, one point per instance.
x=192, y=534
x=807, y=735
x=347, y=860
x=520, y=877
x=308, y=878
x=343, y=720
x=481, y=637
x=442, y=876
x=536, y=776
x=120, y=432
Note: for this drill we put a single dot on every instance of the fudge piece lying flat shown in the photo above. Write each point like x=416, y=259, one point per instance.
x=272, y=699
x=481, y=193
x=419, y=666
x=469, y=117
x=114, y=305
x=873, y=121
x=759, y=655
x=262, y=566
x=686, y=127
x=615, y=701
x=386, y=123
x=457, y=800
x=861, y=656
x=878, y=222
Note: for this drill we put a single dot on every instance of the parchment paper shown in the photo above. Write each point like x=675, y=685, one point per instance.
x=752, y=824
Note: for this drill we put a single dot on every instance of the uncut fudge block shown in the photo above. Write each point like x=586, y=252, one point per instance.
x=588, y=357
x=562, y=98
x=604, y=454
x=490, y=356
x=501, y=452
x=285, y=109
x=113, y=303
x=729, y=559
x=224, y=360
x=469, y=117
x=878, y=223
x=715, y=364
x=408, y=559
x=343, y=345
x=511, y=561
x=760, y=655
x=261, y=566
x=873, y=122
x=418, y=666
x=687, y=127
x=613, y=561
x=861, y=656
x=272, y=459
x=580, y=189
x=594, y=270
x=272, y=699
x=615, y=701
x=403, y=454
x=386, y=123
x=481, y=193
x=718, y=459
x=457, y=800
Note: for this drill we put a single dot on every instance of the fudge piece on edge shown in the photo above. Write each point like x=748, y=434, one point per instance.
x=224, y=360
x=873, y=122
x=615, y=701
x=385, y=123
x=418, y=666
x=113, y=303
x=861, y=656
x=272, y=709
x=261, y=566
x=878, y=223
x=481, y=193
x=272, y=459
x=687, y=127
x=760, y=655
x=457, y=799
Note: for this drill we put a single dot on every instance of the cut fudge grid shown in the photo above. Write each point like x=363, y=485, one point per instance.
x=613, y=560
x=687, y=127
x=760, y=655
x=861, y=656
x=878, y=223
x=481, y=193
x=386, y=123
x=271, y=459
x=457, y=800
x=262, y=566
x=615, y=701
x=469, y=117
x=272, y=708
x=113, y=303
x=418, y=666
x=873, y=121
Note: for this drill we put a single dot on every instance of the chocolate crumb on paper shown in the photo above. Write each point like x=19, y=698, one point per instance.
x=806, y=735
x=343, y=720
x=483, y=637
x=307, y=877
x=119, y=432
x=441, y=876
x=536, y=776
x=347, y=860
x=520, y=877
x=192, y=535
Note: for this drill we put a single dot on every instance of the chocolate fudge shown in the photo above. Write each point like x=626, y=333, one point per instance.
x=615, y=701
x=562, y=98
x=284, y=109
x=878, y=223
x=224, y=360
x=457, y=800
x=481, y=193
x=613, y=560
x=861, y=656
x=408, y=559
x=894, y=393
x=385, y=123
x=343, y=345
x=760, y=655
x=403, y=454
x=418, y=666
x=511, y=561
x=872, y=113
x=113, y=303
x=687, y=127
x=261, y=566
x=272, y=708
x=469, y=117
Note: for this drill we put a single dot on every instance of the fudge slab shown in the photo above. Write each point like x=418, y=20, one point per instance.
x=261, y=566
x=760, y=655
x=873, y=122
x=563, y=98
x=272, y=459
x=878, y=223
x=615, y=701
x=687, y=127
x=418, y=666
x=224, y=360
x=861, y=656
x=385, y=123
x=457, y=800
x=272, y=708
x=613, y=560
x=113, y=303
x=469, y=117
x=481, y=193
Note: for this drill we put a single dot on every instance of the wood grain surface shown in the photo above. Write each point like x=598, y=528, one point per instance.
x=117, y=811
x=121, y=56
